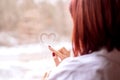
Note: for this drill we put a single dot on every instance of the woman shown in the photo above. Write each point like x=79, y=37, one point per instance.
x=96, y=46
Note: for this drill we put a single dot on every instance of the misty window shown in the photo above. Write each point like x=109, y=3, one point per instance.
x=27, y=27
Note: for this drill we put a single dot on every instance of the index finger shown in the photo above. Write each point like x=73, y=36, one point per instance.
x=56, y=52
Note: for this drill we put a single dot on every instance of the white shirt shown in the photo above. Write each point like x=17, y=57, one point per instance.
x=101, y=65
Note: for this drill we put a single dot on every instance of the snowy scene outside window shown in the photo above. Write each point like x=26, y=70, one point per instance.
x=27, y=27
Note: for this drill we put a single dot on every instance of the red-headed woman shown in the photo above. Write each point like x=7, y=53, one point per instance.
x=95, y=41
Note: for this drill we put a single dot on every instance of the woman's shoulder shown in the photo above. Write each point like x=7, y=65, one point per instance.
x=92, y=65
x=74, y=66
x=85, y=59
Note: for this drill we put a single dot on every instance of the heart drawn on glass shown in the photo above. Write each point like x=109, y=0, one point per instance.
x=48, y=38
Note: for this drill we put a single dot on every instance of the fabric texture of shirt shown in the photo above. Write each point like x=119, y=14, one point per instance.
x=100, y=65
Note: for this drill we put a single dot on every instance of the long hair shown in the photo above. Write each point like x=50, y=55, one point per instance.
x=96, y=25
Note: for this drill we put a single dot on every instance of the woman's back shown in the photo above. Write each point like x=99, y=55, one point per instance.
x=96, y=38
x=99, y=65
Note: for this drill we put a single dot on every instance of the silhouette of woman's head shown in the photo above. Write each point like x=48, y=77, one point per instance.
x=96, y=25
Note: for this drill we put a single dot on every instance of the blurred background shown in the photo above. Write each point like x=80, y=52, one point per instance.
x=27, y=27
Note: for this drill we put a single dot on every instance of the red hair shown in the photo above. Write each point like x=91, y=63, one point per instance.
x=96, y=25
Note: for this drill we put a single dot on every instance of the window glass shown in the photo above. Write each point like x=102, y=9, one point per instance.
x=27, y=27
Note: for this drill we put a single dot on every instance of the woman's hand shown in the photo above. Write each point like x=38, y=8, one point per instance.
x=59, y=55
